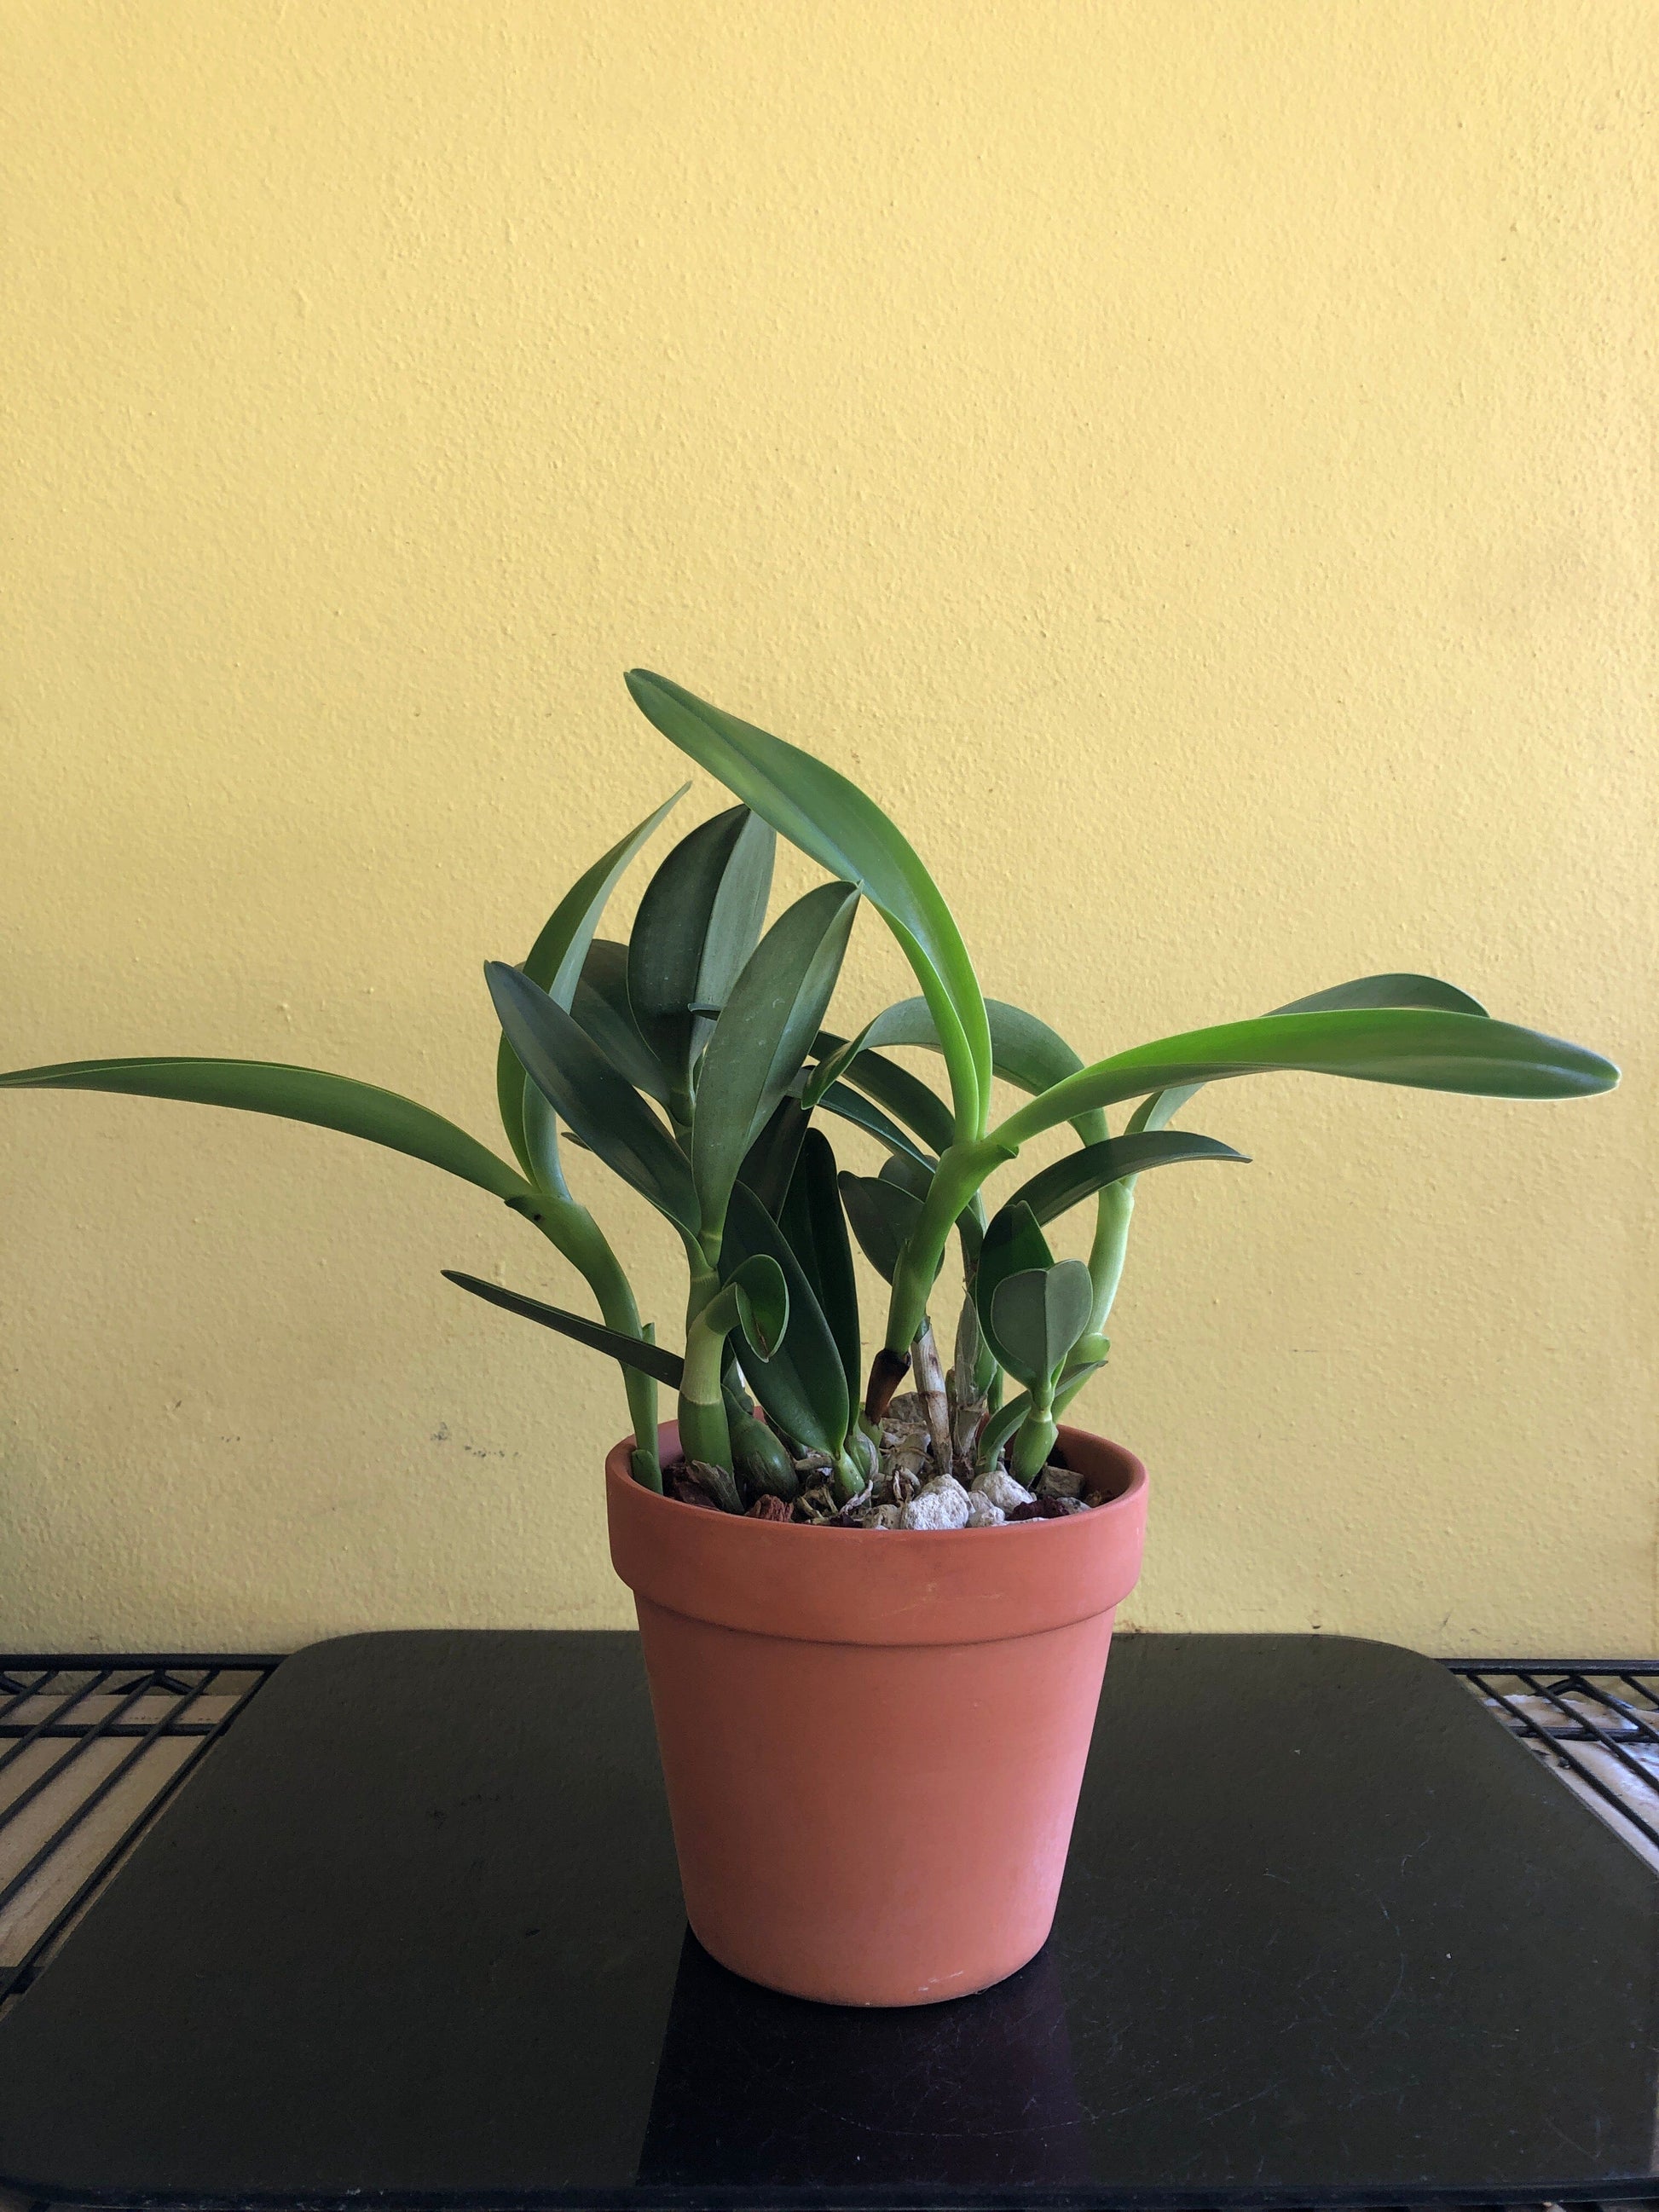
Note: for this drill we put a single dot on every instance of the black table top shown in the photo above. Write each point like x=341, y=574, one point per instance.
x=414, y=1934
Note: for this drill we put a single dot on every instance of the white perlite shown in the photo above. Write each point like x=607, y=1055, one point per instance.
x=942, y=1504
x=999, y=1488
x=981, y=1514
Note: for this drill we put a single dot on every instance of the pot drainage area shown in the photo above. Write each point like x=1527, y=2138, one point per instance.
x=92, y=1747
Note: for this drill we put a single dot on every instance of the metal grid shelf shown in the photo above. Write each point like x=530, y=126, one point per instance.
x=1595, y=1722
x=92, y=1746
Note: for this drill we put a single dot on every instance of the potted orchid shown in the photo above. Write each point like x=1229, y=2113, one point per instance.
x=875, y=1582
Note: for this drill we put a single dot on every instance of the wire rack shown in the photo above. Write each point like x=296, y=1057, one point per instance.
x=92, y=1747
x=1595, y=1722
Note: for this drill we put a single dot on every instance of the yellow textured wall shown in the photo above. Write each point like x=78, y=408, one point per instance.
x=1193, y=460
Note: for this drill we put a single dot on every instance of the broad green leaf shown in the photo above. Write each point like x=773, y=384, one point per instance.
x=803, y=1386
x=845, y=1102
x=1014, y=1245
x=761, y=1040
x=830, y=819
x=1080, y=1174
x=1161, y=1108
x=295, y=1094
x=883, y=1215
x=601, y=1106
x=769, y=1165
x=1422, y=1048
x=815, y=1229
x=1038, y=1315
x=601, y=1006
x=555, y=962
x=735, y=926
x=698, y=922
x=652, y=1359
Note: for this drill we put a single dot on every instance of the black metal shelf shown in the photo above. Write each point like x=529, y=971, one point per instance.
x=93, y=1745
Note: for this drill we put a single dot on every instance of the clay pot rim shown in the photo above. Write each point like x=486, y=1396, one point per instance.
x=1120, y=1500
x=942, y=1586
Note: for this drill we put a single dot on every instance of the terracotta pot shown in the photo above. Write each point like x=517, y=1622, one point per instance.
x=874, y=1740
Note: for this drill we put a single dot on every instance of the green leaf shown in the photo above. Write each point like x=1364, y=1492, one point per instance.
x=803, y=1385
x=601, y=1006
x=769, y=1163
x=1080, y=1174
x=555, y=962
x=847, y=1106
x=832, y=820
x=295, y=1094
x=652, y=1359
x=601, y=1106
x=1387, y=991
x=761, y=1040
x=883, y=1215
x=912, y=1175
x=832, y=1065
x=922, y=1110
x=698, y=922
x=1038, y=1315
x=1014, y=1245
x=1024, y=1051
x=1161, y=1108
x=815, y=1229
x=1425, y=1049
x=760, y=1303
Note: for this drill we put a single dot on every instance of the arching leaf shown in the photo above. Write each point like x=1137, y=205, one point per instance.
x=1425, y=1049
x=1157, y=1111
x=815, y=807
x=1078, y=1175
x=293, y=1094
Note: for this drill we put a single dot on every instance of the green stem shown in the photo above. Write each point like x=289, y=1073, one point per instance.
x=958, y=1175
x=572, y=1229
x=1034, y=1440
x=705, y=1432
x=1113, y=1210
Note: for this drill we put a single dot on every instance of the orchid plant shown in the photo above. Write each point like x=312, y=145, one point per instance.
x=693, y=1060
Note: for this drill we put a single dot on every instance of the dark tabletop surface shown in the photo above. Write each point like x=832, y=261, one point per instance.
x=414, y=1933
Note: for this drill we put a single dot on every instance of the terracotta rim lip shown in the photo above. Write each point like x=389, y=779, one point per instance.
x=1125, y=1500
x=944, y=1586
